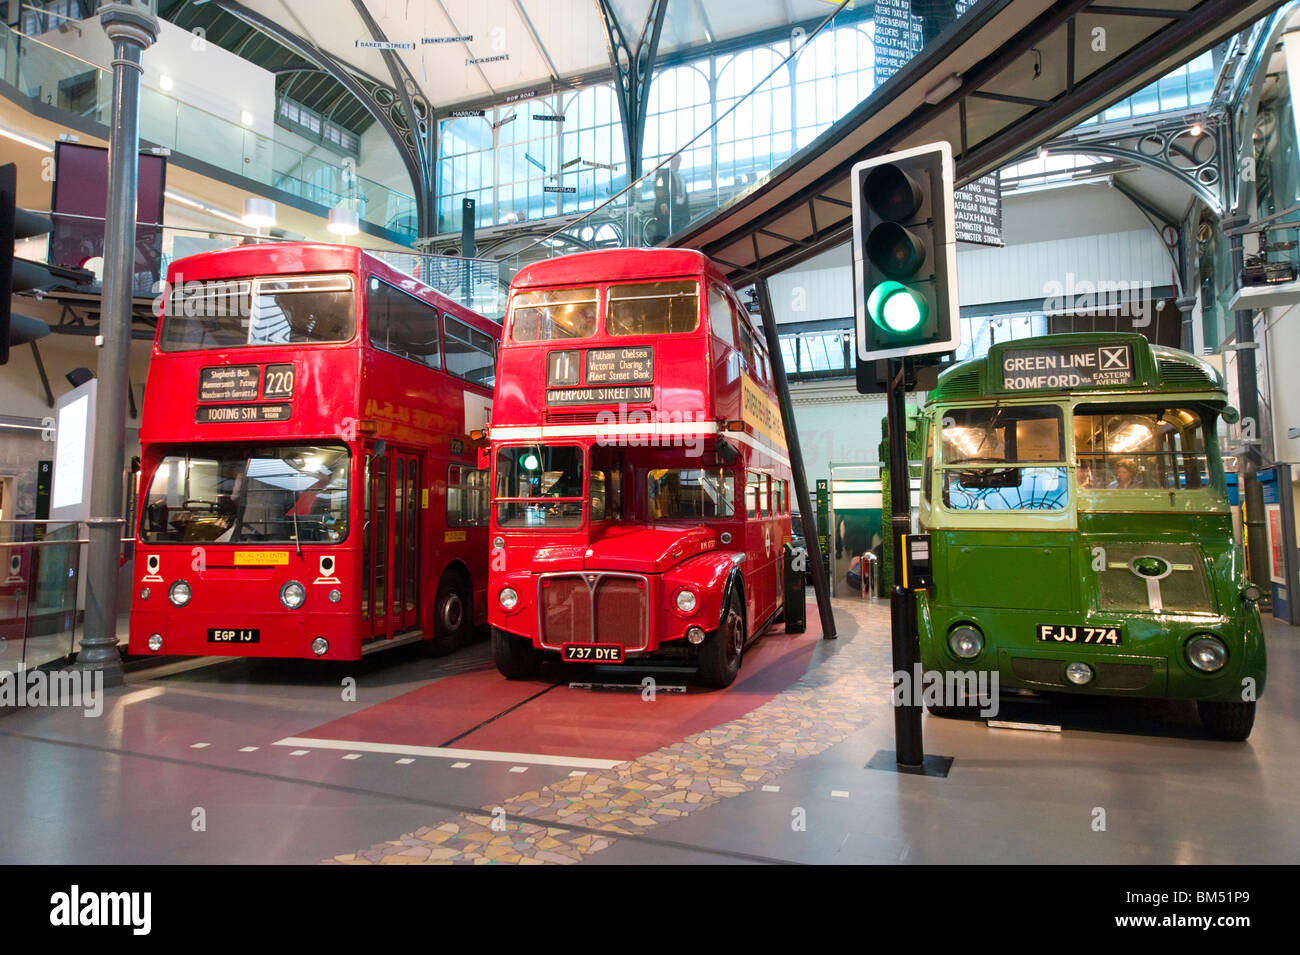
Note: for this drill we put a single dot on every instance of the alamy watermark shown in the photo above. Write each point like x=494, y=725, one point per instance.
x=1130, y=299
x=950, y=688
x=51, y=688
x=653, y=429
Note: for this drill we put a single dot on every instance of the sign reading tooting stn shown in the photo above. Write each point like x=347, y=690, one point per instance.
x=1067, y=366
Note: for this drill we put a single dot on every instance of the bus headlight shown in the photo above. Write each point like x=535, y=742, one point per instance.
x=966, y=642
x=335, y=595
x=155, y=642
x=144, y=593
x=179, y=594
x=292, y=595
x=1251, y=592
x=508, y=598
x=686, y=600
x=320, y=646
x=1207, y=653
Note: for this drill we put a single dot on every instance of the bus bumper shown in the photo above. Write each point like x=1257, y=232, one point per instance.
x=1151, y=661
x=278, y=634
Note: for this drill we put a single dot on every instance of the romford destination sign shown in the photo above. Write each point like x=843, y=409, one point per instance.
x=1067, y=366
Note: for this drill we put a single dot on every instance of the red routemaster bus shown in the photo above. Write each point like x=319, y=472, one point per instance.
x=309, y=486
x=641, y=484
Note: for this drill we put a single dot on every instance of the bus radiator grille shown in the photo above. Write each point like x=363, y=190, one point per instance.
x=593, y=608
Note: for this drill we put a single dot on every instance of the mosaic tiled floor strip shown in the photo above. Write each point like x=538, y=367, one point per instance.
x=837, y=696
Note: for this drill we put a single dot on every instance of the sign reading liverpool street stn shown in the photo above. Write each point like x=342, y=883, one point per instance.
x=620, y=394
x=1067, y=366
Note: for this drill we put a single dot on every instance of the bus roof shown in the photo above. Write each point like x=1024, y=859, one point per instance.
x=1082, y=363
x=613, y=265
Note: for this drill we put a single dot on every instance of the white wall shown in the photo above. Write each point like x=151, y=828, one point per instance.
x=1091, y=232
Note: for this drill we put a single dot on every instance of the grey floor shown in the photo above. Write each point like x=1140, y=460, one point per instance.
x=129, y=786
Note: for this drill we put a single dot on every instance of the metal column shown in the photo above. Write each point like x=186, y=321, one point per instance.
x=132, y=31
x=820, y=584
x=1252, y=495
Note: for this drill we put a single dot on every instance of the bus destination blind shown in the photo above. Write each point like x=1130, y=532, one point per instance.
x=1067, y=366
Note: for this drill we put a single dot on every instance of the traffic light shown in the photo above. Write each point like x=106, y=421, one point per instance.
x=23, y=275
x=905, y=254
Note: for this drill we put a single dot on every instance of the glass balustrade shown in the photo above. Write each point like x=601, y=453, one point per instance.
x=62, y=80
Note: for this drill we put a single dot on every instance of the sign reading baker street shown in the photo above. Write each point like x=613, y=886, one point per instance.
x=229, y=383
x=608, y=366
x=1067, y=366
x=599, y=396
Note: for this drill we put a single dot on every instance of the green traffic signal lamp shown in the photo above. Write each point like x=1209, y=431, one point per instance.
x=897, y=309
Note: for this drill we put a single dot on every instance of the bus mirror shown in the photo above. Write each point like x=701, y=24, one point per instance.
x=380, y=448
x=726, y=451
x=1229, y=414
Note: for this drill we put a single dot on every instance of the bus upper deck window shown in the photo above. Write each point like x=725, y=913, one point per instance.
x=549, y=314
x=653, y=308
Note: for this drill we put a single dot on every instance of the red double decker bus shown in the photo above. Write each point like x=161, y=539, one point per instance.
x=309, y=486
x=641, y=483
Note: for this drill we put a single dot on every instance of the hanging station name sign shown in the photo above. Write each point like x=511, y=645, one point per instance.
x=1067, y=366
x=426, y=40
x=385, y=45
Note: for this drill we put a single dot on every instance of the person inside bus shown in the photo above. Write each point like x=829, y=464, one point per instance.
x=1087, y=477
x=1127, y=476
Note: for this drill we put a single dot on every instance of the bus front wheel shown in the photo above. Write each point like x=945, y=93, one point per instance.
x=453, y=615
x=721, y=650
x=516, y=657
x=1227, y=720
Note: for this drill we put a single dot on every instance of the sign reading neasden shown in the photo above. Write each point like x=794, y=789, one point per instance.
x=1067, y=366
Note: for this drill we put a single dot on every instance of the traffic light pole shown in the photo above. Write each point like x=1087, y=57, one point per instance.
x=812, y=542
x=132, y=31
x=909, y=747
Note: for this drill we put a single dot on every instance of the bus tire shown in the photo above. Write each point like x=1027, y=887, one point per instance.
x=516, y=657
x=1227, y=720
x=453, y=615
x=720, y=653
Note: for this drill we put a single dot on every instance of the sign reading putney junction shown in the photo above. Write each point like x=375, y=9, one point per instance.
x=1067, y=366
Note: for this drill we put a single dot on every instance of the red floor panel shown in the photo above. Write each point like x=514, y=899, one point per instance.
x=564, y=722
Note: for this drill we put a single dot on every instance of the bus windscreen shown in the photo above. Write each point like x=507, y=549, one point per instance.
x=244, y=494
x=1140, y=449
x=549, y=314
x=653, y=308
x=271, y=310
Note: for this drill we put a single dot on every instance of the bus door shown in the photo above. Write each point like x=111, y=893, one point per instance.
x=405, y=567
x=760, y=545
x=377, y=544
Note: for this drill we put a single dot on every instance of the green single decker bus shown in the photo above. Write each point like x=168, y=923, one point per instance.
x=1080, y=532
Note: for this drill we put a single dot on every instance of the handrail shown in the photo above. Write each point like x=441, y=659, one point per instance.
x=645, y=176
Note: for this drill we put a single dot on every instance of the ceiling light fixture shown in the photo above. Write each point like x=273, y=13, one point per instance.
x=945, y=89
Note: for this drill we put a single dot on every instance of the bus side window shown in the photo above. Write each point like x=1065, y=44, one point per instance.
x=471, y=354
x=746, y=344
x=403, y=324
x=720, y=317
x=598, y=496
x=753, y=505
x=467, y=504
